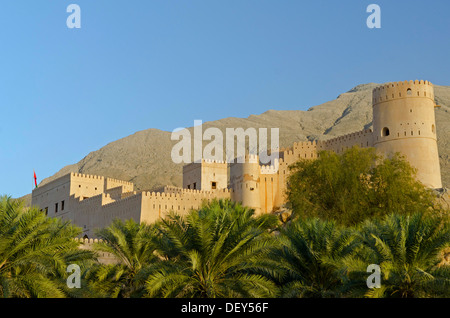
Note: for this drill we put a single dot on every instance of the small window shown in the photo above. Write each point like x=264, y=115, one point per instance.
x=409, y=91
x=189, y=186
x=56, y=207
x=213, y=185
x=432, y=128
x=62, y=205
x=385, y=132
x=194, y=186
x=46, y=211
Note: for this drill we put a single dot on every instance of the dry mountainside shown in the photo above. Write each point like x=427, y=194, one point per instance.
x=144, y=158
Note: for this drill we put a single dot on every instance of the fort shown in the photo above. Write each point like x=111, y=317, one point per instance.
x=403, y=121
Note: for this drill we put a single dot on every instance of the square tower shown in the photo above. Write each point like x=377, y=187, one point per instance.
x=206, y=175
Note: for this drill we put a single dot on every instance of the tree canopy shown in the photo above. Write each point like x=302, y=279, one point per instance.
x=356, y=185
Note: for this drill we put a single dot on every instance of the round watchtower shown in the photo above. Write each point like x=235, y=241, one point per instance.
x=404, y=121
x=245, y=176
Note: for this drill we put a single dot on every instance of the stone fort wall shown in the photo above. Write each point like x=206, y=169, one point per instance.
x=99, y=210
x=102, y=257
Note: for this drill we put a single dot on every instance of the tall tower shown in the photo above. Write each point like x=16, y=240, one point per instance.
x=245, y=182
x=205, y=175
x=404, y=121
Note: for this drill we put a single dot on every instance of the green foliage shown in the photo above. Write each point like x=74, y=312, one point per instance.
x=218, y=250
x=408, y=251
x=35, y=252
x=225, y=250
x=309, y=256
x=134, y=246
x=355, y=186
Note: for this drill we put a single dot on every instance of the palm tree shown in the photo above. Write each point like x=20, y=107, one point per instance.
x=309, y=257
x=213, y=252
x=408, y=251
x=133, y=245
x=35, y=251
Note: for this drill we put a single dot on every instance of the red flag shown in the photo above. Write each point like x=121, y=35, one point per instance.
x=35, y=182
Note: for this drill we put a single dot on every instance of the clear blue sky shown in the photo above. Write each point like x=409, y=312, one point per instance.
x=141, y=64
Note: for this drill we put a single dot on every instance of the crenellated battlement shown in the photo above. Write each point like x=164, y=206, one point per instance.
x=305, y=144
x=87, y=241
x=203, y=160
x=212, y=161
x=161, y=194
x=172, y=191
x=103, y=257
x=270, y=169
x=119, y=181
x=349, y=136
x=405, y=89
x=86, y=176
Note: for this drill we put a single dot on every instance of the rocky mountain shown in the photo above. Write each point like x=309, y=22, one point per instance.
x=144, y=158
